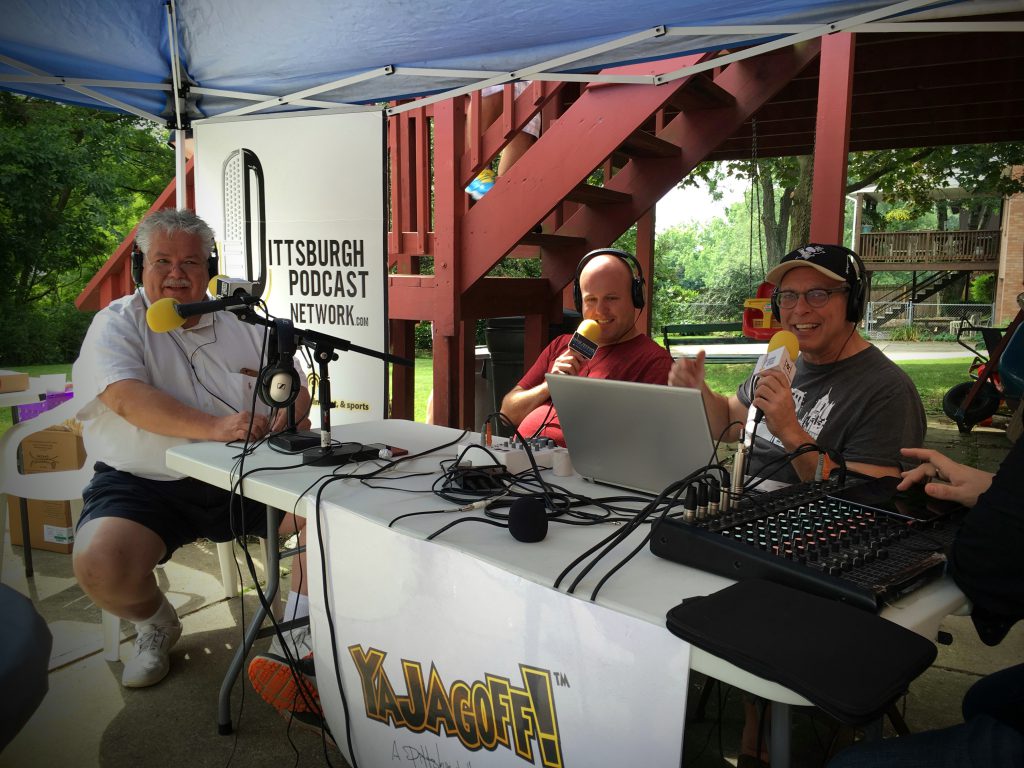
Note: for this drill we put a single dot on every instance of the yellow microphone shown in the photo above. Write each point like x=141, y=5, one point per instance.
x=584, y=341
x=783, y=347
x=785, y=339
x=162, y=316
x=167, y=314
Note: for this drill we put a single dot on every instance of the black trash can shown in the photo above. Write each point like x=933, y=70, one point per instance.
x=504, y=337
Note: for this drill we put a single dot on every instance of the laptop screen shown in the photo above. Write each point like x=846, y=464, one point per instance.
x=631, y=435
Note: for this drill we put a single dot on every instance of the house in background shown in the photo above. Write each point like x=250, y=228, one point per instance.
x=970, y=241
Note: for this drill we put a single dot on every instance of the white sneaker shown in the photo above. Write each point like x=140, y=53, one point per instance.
x=151, y=661
x=299, y=642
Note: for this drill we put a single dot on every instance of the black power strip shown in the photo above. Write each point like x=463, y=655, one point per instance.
x=477, y=479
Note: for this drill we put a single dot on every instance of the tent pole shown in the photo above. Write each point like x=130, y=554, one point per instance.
x=180, y=191
x=180, y=183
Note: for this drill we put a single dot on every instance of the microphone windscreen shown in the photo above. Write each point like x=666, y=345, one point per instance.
x=584, y=341
x=785, y=339
x=161, y=317
x=589, y=329
x=527, y=520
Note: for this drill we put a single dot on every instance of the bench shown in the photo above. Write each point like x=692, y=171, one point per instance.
x=938, y=324
x=696, y=335
x=689, y=334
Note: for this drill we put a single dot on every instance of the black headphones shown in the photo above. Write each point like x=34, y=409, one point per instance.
x=855, y=298
x=636, y=286
x=138, y=257
x=277, y=384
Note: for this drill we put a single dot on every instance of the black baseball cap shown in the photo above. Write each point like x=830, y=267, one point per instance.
x=833, y=261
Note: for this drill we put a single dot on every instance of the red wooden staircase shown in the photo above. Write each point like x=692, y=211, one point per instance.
x=643, y=139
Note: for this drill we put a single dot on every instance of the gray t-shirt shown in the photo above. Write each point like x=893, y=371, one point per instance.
x=865, y=407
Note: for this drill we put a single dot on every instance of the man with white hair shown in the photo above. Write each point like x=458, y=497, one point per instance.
x=143, y=392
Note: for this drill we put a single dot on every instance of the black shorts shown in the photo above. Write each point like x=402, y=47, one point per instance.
x=178, y=511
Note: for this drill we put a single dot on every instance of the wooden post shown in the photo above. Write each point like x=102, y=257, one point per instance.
x=832, y=138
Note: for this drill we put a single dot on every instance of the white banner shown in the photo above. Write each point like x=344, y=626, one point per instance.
x=298, y=206
x=450, y=661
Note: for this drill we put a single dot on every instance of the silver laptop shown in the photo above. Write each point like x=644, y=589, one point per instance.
x=639, y=436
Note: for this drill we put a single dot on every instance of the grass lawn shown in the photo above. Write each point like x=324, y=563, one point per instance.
x=932, y=377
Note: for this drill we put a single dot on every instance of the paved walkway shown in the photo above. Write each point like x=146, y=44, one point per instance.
x=922, y=350
x=895, y=350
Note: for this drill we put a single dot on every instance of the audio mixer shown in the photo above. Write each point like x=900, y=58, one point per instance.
x=863, y=544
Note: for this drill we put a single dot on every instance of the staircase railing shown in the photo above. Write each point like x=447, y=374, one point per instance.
x=920, y=290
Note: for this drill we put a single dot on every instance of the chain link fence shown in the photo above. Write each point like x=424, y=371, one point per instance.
x=937, y=320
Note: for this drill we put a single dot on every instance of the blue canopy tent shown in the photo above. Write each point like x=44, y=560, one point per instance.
x=232, y=57
x=176, y=61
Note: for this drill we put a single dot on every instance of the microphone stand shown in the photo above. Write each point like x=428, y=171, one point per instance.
x=325, y=349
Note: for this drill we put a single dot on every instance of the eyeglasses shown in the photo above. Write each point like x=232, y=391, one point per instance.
x=163, y=266
x=816, y=297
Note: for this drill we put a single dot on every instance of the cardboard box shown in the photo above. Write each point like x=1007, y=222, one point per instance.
x=12, y=381
x=51, y=524
x=52, y=450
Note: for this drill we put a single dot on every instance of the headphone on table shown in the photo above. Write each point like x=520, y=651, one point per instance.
x=138, y=257
x=636, y=286
x=855, y=298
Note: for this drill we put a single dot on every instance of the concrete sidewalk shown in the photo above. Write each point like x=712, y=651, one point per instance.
x=89, y=721
x=894, y=350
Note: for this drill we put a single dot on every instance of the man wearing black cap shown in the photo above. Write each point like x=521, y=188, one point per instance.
x=846, y=395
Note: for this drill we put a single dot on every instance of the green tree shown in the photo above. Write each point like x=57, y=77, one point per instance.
x=670, y=290
x=73, y=181
x=906, y=177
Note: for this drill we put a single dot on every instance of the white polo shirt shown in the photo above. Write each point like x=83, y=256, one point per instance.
x=196, y=366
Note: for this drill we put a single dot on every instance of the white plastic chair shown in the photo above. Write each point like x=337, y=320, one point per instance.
x=69, y=484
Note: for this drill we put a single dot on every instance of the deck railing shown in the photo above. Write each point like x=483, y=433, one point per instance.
x=923, y=246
